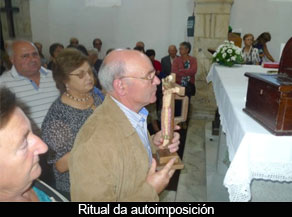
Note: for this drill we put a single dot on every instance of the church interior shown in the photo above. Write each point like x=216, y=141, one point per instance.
x=208, y=151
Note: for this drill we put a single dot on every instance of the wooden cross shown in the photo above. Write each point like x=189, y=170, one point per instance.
x=8, y=9
x=171, y=90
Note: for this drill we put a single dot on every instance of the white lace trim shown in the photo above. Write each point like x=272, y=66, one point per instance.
x=280, y=172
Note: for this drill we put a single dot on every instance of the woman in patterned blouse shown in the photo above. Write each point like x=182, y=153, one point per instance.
x=249, y=53
x=74, y=78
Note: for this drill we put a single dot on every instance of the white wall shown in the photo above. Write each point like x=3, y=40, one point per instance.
x=158, y=23
x=257, y=16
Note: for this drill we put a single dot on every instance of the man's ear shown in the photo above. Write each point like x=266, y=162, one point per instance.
x=11, y=59
x=119, y=87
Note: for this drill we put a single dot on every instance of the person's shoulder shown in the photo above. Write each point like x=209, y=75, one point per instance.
x=177, y=59
x=46, y=72
x=56, y=107
x=54, y=195
x=6, y=76
x=193, y=58
x=165, y=58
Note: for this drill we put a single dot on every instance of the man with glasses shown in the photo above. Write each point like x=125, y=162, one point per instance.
x=112, y=155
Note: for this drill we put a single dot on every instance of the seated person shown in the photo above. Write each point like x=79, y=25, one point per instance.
x=44, y=61
x=140, y=44
x=250, y=54
x=19, y=156
x=95, y=64
x=74, y=78
x=73, y=42
x=55, y=49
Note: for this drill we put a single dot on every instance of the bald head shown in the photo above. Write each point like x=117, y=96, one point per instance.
x=25, y=57
x=120, y=63
x=124, y=55
x=129, y=76
x=172, y=51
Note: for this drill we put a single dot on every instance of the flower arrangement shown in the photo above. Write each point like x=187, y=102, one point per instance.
x=228, y=54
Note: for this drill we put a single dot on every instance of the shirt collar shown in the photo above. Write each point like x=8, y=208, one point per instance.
x=15, y=74
x=135, y=118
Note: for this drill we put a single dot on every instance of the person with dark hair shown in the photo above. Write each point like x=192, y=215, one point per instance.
x=261, y=44
x=97, y=43
x=19, y=156
x=185, y=68
x=39, y=46
x=157, y=65
x=5, y=63
x=250, y=54
x=153, y=109
x=95, y=62
x=74, y=78
x=55, y=49
x=83, y=49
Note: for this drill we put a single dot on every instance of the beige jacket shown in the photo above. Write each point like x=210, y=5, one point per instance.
x=108, y=161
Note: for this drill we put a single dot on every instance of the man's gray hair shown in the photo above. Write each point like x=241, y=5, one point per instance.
x=10, y=51
x=109, y=72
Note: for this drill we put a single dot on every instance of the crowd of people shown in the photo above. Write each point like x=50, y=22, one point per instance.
x=96, y=142
x=256, y=51
x=87, y=111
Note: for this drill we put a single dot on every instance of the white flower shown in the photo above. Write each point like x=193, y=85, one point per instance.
x=224, y=55
x=233, y=58
x=214, y=54
x=228, y=60
x=232, y=42
x=217, y=60
x=238, y=52
x=229, y=51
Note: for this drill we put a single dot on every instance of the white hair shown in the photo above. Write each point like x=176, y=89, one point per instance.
x=10, y=46
x=108, y=72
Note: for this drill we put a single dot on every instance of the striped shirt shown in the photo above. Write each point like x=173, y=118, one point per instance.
x=139, y=122
x=36, y=99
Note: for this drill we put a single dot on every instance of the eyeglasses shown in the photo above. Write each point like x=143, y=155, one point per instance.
x=149, y=77
x=82, y=73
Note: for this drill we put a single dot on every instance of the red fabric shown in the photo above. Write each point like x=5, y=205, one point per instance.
x=157, y=65
x=180, y=71
x=271, y=65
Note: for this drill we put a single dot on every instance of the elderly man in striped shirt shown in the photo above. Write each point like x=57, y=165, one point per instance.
x=32, y=84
